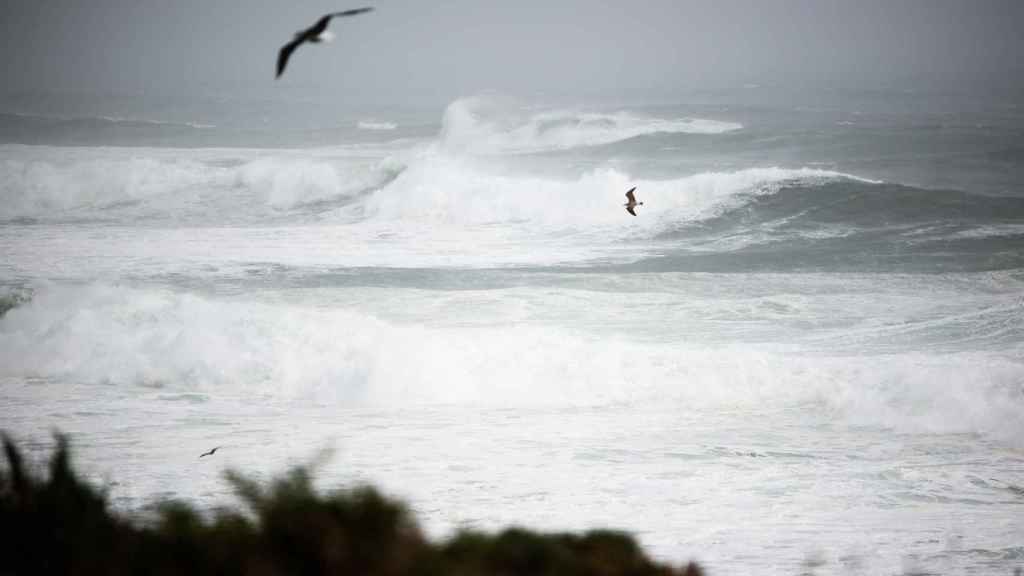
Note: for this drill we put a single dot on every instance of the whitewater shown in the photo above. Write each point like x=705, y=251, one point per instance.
x=805, y=354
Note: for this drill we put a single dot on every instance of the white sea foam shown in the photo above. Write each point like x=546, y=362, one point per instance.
x=45, y=183
x=487, y=125
x=428, y=187
x=436, y=311
x=130, y=338
x=286, y=183
x=991, y=231
x=457, y=189
x=376, y=125
x=45, y=187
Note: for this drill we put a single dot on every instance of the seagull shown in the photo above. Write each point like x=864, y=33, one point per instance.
x=632, y=201
x=210, y=453
x=315, y=33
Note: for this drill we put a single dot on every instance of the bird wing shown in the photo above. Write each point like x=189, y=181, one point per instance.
x=630, y=210
x=286, y=53
x=310, y=33
x=320, y=25
x=352, y=12
x=629, y=195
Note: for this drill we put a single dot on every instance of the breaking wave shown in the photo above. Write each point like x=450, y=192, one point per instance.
x=179, y=185
x=458, y=190
x=130, y=337
x=762, y=218
x=487, y=126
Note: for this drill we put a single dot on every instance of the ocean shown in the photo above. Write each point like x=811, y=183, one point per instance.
x=805, y=354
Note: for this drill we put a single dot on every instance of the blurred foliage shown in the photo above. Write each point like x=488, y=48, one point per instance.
x=62, y=525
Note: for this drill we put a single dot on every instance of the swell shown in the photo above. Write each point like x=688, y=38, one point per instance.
x=96, y=130
x=89, y=121
x=852, y=225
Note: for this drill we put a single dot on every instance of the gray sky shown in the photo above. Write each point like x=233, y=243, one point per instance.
x=412, y=51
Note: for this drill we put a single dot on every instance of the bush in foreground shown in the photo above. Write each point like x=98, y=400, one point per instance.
x=61, y=525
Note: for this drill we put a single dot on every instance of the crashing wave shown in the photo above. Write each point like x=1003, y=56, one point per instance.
x=130, y=337
x=38, y=183
x=457, y=189
x=484, y=125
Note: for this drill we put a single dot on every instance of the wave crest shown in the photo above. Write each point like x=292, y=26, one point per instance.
x=129, y=337
x=376, y=125
x=457, y=189
x=98, y=183
x=487, y=125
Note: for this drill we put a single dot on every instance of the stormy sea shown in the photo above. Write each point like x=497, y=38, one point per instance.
x=804, y=354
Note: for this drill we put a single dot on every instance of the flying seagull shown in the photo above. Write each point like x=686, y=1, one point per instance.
x=210, y=453
x=632, y=201
x=315, y=33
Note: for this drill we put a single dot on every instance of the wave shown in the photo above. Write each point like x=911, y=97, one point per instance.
x=431, y=185
x=376, y=125
x=457, y=189
x=485, y=125
x=994, y=231
x=836, y=218
x=154, y=338
x=40, y=184
x=752, y=219
x=86, y=121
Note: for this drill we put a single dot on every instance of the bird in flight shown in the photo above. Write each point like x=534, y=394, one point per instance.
x=210, y=453
x=632, y=203
x=315, y=33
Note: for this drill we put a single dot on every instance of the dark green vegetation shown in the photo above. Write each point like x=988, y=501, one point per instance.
x=61, y=525
x=13, y=300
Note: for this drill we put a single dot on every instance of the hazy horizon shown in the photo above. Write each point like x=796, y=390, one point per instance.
x=409, y=53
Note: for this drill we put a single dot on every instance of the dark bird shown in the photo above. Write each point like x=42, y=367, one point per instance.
x=632, y=201
x=210, y=453
x=316, y=33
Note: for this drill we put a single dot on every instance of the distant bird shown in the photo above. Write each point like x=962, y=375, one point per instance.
x=316, y=33
x=210, y=453
x=632, y=201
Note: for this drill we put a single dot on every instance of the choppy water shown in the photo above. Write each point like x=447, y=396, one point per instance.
x=805, y=353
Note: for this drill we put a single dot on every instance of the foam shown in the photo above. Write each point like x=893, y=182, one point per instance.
x=45, y=183
x=41, y=187
x=429, y=185
x=990, y=231
x=457, y=189
x=376, y=125
x=285, y=184
x=130, y=338
x=486, y=125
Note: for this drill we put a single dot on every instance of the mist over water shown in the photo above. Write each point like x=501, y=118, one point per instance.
x=805, y=349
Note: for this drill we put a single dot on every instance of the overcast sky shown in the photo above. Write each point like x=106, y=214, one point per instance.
x=417, y=50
